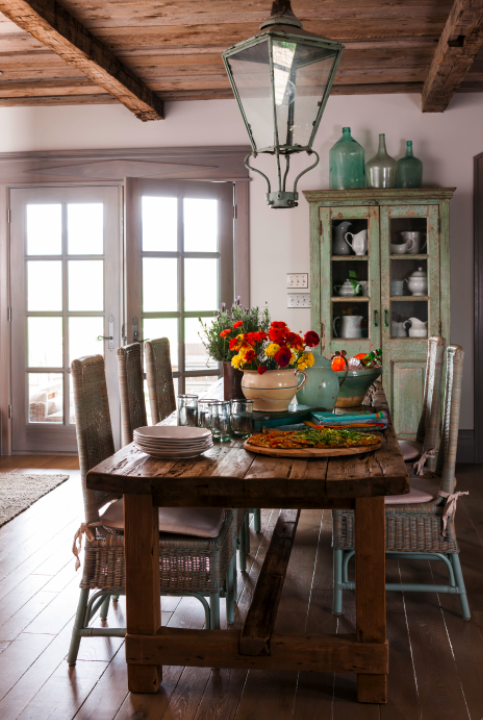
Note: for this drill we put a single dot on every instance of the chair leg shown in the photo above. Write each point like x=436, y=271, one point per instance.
x=78, y=625
x=215, y=611
x=243, y=549
x=338, y=556
x=115, y=598
x=105, y=607
x=230, y=591
x=257, y=520
x=460, y=583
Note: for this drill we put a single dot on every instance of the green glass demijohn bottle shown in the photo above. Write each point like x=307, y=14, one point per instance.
x=346, y=161
x=381, y=170
x=410, y=169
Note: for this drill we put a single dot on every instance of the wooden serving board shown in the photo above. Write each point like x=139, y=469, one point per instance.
x=311, y=452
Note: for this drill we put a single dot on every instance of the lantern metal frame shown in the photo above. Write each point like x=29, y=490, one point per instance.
x=278, y=27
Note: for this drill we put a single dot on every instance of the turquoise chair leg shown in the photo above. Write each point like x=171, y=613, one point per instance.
x=230, y=591
x=214, y=611
x=78, y=625
x=105, y=608
x=257, y=520
x=460, y=584
x=338, y=556
x=243, y=546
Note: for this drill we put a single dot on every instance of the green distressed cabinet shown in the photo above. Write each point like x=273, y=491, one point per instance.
x=395, y=234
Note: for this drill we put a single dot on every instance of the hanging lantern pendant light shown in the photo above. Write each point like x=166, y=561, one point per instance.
x=281, y=79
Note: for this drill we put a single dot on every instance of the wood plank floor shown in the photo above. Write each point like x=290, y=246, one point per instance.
x=436, y=662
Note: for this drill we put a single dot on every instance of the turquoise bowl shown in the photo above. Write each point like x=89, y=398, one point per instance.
x=353, y=390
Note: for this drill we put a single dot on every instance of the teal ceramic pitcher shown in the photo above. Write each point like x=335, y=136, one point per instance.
x=322, y=387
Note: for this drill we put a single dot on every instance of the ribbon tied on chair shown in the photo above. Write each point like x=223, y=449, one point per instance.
x=84, y=529
x=418, y=466
x=450, y=507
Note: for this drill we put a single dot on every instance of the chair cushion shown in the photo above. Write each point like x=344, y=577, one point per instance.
x=410, y=449
x=199, y=522
x=414, y=496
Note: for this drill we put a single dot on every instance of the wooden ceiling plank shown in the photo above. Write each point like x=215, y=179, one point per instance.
x=458, y=46
x=49, y=23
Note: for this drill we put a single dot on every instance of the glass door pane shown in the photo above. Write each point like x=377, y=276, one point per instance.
x=63, y=241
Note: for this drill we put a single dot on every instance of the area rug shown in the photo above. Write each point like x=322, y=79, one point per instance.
x=18, y=491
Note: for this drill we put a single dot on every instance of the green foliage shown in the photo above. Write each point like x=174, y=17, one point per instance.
x=253, y=320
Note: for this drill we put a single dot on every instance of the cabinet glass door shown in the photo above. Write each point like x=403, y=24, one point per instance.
x=350, y=280
x=410, y=303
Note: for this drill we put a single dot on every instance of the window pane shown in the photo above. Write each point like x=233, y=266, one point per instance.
x=85, y=228
x=44, y=285
x=160, y=224
x=45, y=341
x=196, y=357
x=83, y=334
x=200, y=225
x=160, y=284
x=86, y=285
x=199, y=385
x=44, y=229
x=154, y=328
x=200, y=284
x=45, y=397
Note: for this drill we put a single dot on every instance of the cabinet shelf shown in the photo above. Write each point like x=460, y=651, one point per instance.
x=409, y=298
x=351, y=298
x=350, y=258
x=408, y=256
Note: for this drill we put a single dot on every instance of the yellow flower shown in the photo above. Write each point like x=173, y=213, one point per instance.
x=310, y=358
x=293, y=359
x=272, y=349
x=237, y=361
x=306, y=360
x=302, y=365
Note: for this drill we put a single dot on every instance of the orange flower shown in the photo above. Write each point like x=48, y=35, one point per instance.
x=224, y=333
x=238, y=324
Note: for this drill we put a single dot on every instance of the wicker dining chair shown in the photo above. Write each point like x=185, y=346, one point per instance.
x=418, y=525
x=162, y=401
x=426, y=437
x=188, y=565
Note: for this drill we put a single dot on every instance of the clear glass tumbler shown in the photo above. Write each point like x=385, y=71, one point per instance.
x=242, y=418
x=220, y=420
x=188, y=410
x=204, y=412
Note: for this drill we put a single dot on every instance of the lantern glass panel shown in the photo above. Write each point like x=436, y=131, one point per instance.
x=250, y=69
x=301, y=74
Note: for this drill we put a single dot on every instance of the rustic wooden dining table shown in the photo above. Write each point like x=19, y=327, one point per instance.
x=230, y=476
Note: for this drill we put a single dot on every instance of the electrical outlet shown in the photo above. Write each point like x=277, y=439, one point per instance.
x=297, y=280
x=298, y=300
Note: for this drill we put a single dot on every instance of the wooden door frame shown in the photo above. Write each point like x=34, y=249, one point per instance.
x=478, y=258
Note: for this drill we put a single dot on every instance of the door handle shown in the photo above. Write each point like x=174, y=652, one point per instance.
x=386, y=318
x=376, y=318
x=110, y=337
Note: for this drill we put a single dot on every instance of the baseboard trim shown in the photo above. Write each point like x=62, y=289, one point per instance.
x=466, y=446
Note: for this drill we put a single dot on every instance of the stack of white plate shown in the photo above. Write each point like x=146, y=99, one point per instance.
x=173, y=442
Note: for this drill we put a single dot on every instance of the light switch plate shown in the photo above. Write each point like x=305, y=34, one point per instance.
x=297, y=280
x=298, y=300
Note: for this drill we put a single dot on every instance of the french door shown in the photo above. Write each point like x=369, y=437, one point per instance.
x=66, y=279
x=179, y=268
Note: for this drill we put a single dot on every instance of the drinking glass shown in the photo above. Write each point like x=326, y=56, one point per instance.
x=204, y=413
x=242, y=418
x=220, y=420
x=188, y=410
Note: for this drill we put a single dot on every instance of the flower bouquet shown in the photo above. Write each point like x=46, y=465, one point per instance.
x=271, y=362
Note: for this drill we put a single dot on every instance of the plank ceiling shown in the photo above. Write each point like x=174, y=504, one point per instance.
x=174, y=46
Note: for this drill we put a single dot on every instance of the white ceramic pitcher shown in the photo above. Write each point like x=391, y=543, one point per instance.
x=350, y=327
x=359, y=242
x=419, y=328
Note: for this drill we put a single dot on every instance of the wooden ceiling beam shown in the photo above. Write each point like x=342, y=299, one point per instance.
x=52, y=25
x=458, y=45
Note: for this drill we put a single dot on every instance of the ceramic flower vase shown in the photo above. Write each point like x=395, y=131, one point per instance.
x=232, y=382
x=274, y=390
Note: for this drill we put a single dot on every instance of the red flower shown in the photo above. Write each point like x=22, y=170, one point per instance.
x=295, y=340
x=262, y=369
x=234, y=344
x=282, y=357
x=249, y=356
x=278, y=335
x=238, y=324
x=311, y=338
x=278, y=325
x=224, y=333
x=261, y=336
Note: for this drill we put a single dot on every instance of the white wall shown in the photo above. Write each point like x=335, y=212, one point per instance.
x=445, y=142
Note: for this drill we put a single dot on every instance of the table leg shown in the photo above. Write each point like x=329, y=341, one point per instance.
x=143, y=602
x=370, y=589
